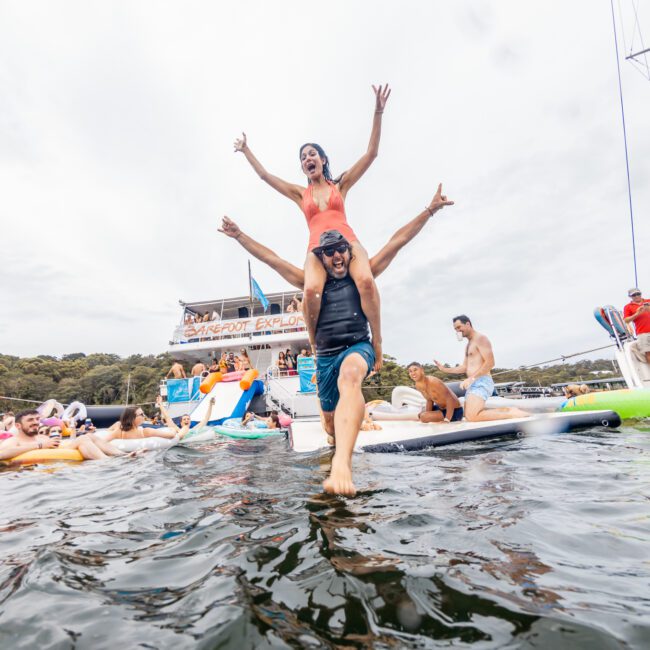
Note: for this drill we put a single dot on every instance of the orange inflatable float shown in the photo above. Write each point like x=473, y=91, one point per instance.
x=249, y=377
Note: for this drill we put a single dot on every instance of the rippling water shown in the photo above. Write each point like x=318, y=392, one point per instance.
x=537, y=542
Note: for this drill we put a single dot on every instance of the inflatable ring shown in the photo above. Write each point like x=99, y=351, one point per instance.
x=51, y=408
x=75, y=411
x=45, y=455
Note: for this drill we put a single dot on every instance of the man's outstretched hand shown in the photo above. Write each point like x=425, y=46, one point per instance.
x=439, y=200
x=230, y=228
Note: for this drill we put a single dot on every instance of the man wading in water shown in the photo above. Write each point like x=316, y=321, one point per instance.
x=344, y=353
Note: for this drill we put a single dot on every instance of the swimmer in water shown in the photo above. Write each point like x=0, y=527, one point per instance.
x=186, y=420
x=322, y=203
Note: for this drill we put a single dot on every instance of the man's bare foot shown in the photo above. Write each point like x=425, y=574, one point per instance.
x=379, y=358
x=340, y=478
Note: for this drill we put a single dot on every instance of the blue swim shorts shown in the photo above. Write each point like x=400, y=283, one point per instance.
x=327, y=372
x=482, y=387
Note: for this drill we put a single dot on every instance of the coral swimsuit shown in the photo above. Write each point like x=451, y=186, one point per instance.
x=332, y=218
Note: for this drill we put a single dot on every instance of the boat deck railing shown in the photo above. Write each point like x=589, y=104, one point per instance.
x=238, y=328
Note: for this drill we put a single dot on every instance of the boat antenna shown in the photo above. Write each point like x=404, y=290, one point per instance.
x=627, y=160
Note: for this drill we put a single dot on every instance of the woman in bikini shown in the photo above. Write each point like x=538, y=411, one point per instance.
x=322, y=203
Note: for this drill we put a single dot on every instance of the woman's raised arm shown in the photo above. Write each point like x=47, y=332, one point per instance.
x=350, y=177
x=291, y=191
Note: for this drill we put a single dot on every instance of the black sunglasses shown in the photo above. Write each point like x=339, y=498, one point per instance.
x=341, y=248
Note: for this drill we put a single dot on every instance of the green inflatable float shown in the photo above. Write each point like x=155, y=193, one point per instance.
x=628, y=403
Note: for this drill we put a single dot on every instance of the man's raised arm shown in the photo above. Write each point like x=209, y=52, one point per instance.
x=292, y=274
x=403, y=236
x=295, y=276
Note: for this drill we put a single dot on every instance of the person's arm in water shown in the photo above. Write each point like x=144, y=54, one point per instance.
x=378, y=264
x=352, y=175
x=165, y=415
x=291, y=191
x=485, y=350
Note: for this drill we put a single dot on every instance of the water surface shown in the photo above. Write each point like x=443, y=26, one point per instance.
x=541, y=541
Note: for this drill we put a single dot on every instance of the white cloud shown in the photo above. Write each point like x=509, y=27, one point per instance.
x=116, y=163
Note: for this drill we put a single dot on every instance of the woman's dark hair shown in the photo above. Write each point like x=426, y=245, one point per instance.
x=327, y=174
x=275, y=419
x=127, y=419
x=462, y=318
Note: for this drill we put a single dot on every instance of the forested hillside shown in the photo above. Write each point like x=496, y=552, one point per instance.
x=102, y=378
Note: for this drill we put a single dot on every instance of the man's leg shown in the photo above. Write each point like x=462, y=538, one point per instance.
x=475, y=411
x=327, y=421
x=86, y=447
x=431, y=416
x=348, y=417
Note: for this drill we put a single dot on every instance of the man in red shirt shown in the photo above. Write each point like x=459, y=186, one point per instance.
x=637, y=311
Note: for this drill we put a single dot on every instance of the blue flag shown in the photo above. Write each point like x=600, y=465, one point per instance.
x=259, y=294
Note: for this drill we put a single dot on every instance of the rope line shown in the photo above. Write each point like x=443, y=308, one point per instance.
x=627, y=161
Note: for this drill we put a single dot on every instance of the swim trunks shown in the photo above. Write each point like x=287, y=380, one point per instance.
x=332, y=218
x=456, y=417
x=327, y=372
x=482, y=387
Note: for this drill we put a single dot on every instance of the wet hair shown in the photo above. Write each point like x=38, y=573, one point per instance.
x=275, y=419
x=127, y=419
x=462, y=318
x=417, y=364
x=327, y=174
x=24, y=414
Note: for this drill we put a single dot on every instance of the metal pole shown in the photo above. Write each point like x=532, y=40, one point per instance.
x=128, y=386
x=627, y=162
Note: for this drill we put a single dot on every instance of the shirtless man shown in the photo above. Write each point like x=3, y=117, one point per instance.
x=198, y=369
x=447, y=406
x=186, y=420
x=27, y=438
x=479, y=360
x=177, y=370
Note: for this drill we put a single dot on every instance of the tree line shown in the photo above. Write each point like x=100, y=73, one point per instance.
x=101, y=378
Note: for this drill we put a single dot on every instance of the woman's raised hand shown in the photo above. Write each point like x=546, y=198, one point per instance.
x=382, y=93
x=240, y=143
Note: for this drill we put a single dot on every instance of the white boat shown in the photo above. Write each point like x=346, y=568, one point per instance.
x=235, y=324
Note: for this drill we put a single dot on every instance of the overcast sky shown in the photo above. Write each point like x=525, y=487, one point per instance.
x=116, y=163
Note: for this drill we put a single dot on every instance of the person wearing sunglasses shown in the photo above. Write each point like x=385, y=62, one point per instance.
x=344, y=353
x=637, y=311
x=30, y=436
x=323, y=204
x=129, y=427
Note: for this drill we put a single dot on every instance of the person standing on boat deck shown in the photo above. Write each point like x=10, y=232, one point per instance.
x=447, y=407
x=177, y=370
x=198, y=369
x=322, y=203
x=637, y=311
x=479, y=360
